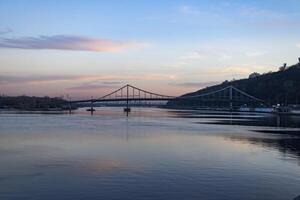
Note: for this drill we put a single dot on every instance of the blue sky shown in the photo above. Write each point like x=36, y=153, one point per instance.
x=85, y=48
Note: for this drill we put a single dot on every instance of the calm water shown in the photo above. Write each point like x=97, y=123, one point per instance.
x=152, y=154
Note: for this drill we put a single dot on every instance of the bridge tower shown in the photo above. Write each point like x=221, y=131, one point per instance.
x=230, y=98
x=127, y=108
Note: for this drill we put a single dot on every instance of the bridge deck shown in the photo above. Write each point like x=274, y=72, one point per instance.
x=122, y=99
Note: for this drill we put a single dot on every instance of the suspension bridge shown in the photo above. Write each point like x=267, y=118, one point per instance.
x=228, y=96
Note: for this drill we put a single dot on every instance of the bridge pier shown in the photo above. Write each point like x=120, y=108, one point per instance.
x=92, y=108
x=127, y=110
x=70, y=108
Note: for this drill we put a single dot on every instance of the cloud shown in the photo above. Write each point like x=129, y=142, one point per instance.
x=278, y=23
x=227, y=71
x=250, y=11
x=265, y=18
x=78, y=85
x=112, y=83
x=207, y=53
x=37, y=79
x=151, y=77
x=214, y=54
x=95, y=85
x=298, y=45
x=185, y=9
x=65, y=42
x=7, y=79
x=195, y=84
x=237, y=71
x=92, y=79
x=5, y=31
x=195, y=55
x=255, y=53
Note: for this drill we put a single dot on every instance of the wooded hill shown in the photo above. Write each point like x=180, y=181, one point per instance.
x=32, y=103
x=281, y=87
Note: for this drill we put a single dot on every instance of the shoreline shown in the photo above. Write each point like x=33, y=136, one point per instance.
x=62, y=111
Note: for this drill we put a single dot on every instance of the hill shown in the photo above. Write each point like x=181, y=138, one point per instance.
x=281, y=87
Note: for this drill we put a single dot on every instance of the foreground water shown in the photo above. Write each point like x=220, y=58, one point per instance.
x=152, y=154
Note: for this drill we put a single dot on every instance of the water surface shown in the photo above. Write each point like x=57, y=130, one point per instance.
x=152, y=154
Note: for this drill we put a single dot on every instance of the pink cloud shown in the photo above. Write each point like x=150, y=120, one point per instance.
x=111, y=79
x=65, y=42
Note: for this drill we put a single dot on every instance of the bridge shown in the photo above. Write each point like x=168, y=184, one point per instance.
x=128, y=93
x=228, y=96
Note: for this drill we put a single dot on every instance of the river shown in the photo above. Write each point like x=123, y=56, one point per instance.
x=153, y=153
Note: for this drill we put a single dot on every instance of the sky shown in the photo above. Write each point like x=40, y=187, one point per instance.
x=89, y=48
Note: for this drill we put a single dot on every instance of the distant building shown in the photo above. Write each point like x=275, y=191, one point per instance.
x=254, y=75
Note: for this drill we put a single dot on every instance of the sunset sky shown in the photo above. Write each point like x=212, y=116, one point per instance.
x=85, y=48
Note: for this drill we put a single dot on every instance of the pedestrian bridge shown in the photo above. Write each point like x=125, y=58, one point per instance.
x=129, y=94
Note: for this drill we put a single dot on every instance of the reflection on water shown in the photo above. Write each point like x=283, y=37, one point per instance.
x=288, y=146
x=152, y=154
x=244, y=119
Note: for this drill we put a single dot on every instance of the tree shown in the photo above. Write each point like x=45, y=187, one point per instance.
x=254, y=75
